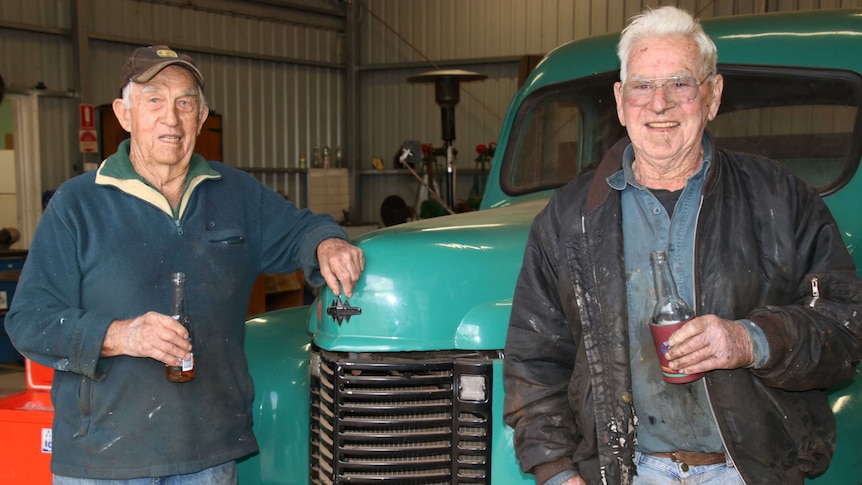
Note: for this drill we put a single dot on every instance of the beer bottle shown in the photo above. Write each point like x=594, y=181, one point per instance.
x=669, y=309
x=186, y=371
x=671, y=312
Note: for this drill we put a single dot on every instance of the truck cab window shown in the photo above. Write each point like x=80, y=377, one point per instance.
x=807, y=119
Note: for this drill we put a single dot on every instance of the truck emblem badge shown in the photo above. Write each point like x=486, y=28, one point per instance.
x=341, y=311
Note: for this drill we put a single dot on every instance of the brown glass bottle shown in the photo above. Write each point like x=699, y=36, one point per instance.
x=186, y=371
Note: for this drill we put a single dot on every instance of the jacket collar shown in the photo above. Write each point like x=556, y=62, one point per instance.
x=117, y=171
x=612, y=163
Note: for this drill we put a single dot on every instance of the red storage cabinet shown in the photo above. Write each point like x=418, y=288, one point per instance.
x=25, y=430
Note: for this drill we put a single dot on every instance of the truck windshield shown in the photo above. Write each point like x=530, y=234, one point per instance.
x=810, y=120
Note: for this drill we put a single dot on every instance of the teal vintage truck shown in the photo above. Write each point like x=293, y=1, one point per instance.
x=403, y=382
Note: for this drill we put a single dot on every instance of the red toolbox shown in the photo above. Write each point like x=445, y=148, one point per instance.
x=25, y=430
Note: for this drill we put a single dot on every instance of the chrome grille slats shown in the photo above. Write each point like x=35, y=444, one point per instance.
x=396, y=418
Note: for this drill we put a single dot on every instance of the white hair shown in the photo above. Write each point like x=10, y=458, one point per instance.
x=666, y=22
x=127, y=97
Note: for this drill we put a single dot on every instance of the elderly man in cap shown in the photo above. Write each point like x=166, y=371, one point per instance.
x=95, y=293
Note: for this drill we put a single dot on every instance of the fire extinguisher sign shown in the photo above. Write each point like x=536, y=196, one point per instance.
x=87, y=138
x=88, y=118
x=47, y=440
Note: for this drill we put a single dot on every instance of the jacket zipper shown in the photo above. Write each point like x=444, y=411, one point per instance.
x=720, y=434
x=815, y=291
x=697, y=312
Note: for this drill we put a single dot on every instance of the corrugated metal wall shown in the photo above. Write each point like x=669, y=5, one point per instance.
x=494, y=33
x=277, y=84
x=42, y=57
x=277, y=81
x=398, y=38
x=278, y=75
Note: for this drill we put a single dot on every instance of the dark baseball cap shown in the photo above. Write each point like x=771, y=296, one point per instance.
x=146, y=62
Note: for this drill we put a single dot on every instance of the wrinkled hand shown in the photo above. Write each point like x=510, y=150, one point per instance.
x=340, y=261
x=707, y=343
x=152, y=335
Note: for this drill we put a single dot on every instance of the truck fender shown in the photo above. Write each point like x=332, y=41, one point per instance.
x=277, y=346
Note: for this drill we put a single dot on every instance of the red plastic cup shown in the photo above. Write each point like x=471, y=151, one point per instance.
x=660, y=335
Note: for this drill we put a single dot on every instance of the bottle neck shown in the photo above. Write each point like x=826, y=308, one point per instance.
x=665, y=286
x=179, y=299
x=669, y=308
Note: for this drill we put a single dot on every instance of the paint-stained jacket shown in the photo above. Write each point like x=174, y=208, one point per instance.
x=762, y=238
x=105, y=250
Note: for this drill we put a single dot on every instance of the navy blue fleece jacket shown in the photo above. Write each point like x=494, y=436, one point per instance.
x=105, y=250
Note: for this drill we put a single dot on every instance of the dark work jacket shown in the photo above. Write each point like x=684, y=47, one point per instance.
x=762, y=236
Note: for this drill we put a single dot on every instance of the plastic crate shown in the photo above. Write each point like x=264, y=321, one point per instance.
x=39, y=377
x=25, y=438
x=25, y=430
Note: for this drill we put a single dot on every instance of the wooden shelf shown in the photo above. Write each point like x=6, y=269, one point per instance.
x=276, y=291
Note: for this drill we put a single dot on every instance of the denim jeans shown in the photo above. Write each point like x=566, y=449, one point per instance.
x=224, y=474
x=663, y=471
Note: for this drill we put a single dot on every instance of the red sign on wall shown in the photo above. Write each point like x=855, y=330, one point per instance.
x=87, y=140
x=88, y=119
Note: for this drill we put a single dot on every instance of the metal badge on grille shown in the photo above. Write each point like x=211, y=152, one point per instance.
x=341, y=311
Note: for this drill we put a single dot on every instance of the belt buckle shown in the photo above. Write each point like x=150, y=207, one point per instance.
x=683, y=465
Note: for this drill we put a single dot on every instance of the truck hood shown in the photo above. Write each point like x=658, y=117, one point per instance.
x=440, y=283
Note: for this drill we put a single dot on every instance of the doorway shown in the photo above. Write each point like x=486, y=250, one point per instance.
x=8, y=184
x=21, y=189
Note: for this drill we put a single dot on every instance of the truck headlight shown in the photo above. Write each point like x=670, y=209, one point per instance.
x=472, y=388
x=314, y=365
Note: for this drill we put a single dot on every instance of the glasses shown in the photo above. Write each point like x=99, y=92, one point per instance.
x=677, y=90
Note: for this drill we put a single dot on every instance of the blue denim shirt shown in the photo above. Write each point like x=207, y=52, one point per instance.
x=670, y=416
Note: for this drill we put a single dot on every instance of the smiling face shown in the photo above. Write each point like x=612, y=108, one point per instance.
x=164, y=120
x=667, y=135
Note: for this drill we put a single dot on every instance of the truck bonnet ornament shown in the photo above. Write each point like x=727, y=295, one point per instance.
x=341, y=311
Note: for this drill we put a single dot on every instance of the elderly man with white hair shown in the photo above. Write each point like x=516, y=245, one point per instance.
x=753, y=250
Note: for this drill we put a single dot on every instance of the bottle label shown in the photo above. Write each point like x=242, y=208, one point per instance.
x=189, y=364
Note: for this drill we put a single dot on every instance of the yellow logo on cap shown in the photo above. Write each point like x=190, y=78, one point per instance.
x=166, y=53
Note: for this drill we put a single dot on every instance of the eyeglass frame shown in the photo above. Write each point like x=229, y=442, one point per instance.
x=656, y=85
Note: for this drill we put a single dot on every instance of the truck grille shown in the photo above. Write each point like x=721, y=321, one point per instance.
x=398, y=418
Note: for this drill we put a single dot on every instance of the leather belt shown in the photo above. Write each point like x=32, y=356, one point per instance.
x=690, y=458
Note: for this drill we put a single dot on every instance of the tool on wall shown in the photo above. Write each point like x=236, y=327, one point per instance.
x=409, y=154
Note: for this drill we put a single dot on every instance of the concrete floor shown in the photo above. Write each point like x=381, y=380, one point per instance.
x=12, y=378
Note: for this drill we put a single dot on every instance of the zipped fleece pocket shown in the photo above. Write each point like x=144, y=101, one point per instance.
x=226, y=237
